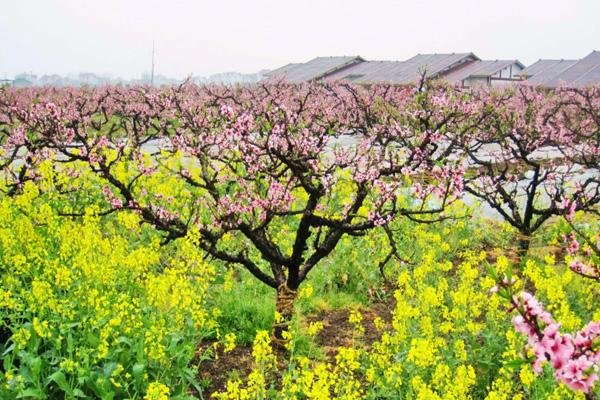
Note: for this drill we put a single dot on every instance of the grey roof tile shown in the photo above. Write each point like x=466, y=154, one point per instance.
x=282, y=70
x=403, y=72
x=584, y=72
x=543, y=71
x=314, y=69
x=480, y=68
x=369, y=72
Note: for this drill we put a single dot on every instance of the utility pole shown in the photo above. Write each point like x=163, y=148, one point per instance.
x=152, y=70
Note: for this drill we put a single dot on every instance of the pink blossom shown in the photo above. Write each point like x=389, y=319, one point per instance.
x=574, y=358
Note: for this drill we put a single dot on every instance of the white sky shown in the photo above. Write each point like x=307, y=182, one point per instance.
x=204, y=37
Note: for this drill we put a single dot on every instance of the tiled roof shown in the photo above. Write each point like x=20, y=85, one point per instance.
x=370, y=72
x=584, y=72
x=433, y=64
x=403, y=72
x=480, y=68
x=282, y=70
x=550, y=66
x=544, y=70
x=314, y=69
x=453, y=67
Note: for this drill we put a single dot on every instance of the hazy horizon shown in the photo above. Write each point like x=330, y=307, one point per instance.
x=115, y=38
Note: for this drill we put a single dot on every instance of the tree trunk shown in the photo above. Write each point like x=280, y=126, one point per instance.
x=524, y=242
x=284, y=305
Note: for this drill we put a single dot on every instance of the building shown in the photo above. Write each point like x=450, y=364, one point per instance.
x=571, y=73
x=434, y=66
x=464, y=69
x=403, y=72
x=368, y=72
x=486, y=73
x=315, y=69
x=544, y=70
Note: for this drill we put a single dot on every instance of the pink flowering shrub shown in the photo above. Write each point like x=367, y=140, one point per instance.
x=574, y=358
x=533, y=154
x=581, y=241
x=271, y=177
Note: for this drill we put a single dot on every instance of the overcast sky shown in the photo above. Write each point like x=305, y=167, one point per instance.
x=204, y=37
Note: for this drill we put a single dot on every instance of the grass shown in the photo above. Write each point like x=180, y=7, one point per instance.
x=348, y=279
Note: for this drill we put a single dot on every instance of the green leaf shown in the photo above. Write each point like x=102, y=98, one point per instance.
x=8, y=349
x=31, y=393
x=138, y=370
x=61, y=380
x=35, y=364
x=109, y=367
x=6, y=363
x=514, y=364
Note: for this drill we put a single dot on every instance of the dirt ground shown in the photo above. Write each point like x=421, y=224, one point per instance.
x=337, y=332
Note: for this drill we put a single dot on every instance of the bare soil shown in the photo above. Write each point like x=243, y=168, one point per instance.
x=337, y=332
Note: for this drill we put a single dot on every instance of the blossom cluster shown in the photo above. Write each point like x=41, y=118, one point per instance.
x=574, y=357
